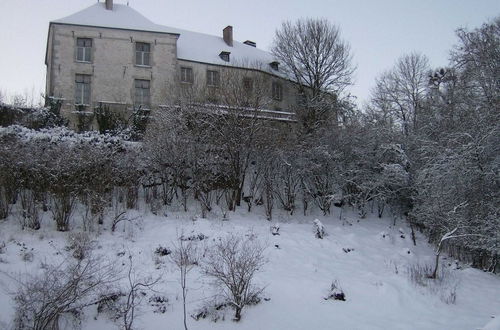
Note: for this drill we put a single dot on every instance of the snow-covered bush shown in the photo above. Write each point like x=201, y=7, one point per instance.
x=66, y=168
x=35, y=118
x=335, y=292
x=319, y=229
x=61, y=291
x=232, y=263
x=162, y=251
x=214, y=309
x=80, y=244
x=275, y=229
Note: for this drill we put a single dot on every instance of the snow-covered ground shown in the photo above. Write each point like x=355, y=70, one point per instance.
x=368, y=258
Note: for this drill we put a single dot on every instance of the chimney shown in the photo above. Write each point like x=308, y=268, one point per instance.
x=227, y=34
x=250, y=43
x=109, y=4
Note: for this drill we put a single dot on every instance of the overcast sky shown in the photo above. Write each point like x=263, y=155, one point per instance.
x=379, y=31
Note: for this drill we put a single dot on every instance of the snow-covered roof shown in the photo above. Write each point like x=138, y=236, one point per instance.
x=191, y=46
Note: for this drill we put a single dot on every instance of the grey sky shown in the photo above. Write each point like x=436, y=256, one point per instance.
x=378, y=31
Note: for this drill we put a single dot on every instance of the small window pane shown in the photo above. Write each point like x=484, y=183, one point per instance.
x=87, y=54
x=142, y=92
x=186, y=75
x=79, y=55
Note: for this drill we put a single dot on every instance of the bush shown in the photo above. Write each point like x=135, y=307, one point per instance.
x=233, y=263
x=335, y=292
x=444, y=285
x=81, y=245
x=63, y=290
x=162, y=251
x=319, y=229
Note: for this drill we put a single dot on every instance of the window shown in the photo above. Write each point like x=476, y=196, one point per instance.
x=142, y=53
x=274, y=65
x=224, y=56
x=213, y=78
x=84, y=50
x=248, y=84
x=142, y=93
x=82, y=89
x=186, y=75
x=277, y=91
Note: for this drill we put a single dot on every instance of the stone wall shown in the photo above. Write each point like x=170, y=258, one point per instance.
x=112, y=68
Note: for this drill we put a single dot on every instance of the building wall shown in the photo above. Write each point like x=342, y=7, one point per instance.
x=236, y=75
x=112, y=69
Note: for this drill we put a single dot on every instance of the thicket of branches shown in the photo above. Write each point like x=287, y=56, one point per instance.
x=448, y=121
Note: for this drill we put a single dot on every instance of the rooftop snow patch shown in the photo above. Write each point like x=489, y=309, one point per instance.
x=191, y=46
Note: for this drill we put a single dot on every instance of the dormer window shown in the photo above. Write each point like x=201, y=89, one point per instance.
x=224, y=56
x=274, y=65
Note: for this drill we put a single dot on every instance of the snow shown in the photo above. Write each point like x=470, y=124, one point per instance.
x=494, y=324
x=191, y=46
x=298, y=275
x=121, y=17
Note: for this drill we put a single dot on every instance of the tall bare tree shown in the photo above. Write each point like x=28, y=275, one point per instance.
x=320, y=61
x=401, y=91
x=314, y=53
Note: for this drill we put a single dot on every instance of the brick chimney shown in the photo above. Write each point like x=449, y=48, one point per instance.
x=227, y=34
x=109, y=4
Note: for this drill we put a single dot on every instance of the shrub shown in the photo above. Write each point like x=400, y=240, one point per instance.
x=162, y=251
x=319, y=229
x=81, y=245
x=444, y=285
x=335, y=292
x=41, y=300
x=233, y=263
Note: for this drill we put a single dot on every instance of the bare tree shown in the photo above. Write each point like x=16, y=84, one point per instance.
x=212, y=135
x=185, y=256
x=314, y=53
x=133, y=297
x=401, y=91
x=315, y=56
x=233, y=263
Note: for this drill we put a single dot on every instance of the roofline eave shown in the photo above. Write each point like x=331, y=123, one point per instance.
x=114, y=28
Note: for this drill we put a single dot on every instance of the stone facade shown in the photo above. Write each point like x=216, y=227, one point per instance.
x=113, y=70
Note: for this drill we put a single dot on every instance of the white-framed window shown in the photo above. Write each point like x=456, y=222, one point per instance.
x=142, y=53
x=84, y=50
x=187, y=75
x=213, y=78
x=82, y=89
x=142, y=93
x=277, y=90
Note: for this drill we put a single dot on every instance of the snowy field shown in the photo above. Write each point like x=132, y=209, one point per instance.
x=368, y=258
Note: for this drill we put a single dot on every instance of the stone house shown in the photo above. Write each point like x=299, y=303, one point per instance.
x=110, y=54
